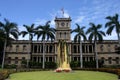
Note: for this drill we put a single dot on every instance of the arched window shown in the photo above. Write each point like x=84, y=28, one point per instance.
x=24, y=47
x=101, y=47
x=17, y=47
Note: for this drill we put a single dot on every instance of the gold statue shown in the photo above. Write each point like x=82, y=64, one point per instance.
x=63, y=58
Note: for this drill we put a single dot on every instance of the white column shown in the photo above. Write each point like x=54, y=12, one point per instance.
x=88, y=48
x=55, y=59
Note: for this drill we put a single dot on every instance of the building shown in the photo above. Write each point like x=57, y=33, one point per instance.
x=27, y=50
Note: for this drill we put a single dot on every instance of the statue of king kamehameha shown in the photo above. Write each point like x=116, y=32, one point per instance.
x=62, y=56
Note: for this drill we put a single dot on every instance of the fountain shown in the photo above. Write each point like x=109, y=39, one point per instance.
x=63, y=58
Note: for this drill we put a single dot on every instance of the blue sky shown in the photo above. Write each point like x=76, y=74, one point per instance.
x=39, y=11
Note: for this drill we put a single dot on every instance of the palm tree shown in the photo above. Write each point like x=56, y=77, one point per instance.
x=79, y=35
x=113, y=23
x=46, y=33
x=95, y=34
x=29, y=31
x=9, y=29
x=2, y=38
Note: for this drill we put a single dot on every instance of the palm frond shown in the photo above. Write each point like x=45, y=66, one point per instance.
x=109, y=30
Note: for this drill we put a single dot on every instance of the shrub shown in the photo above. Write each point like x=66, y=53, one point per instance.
x=33, y=64
x=74, y=64
x=4, y=74
x=12, y=66
x=50, y=65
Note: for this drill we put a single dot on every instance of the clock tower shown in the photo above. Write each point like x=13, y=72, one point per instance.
x=63, y=30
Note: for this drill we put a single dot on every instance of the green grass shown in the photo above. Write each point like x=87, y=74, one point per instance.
x=50, y=75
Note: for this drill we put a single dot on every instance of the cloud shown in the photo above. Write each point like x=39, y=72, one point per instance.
x=79, y=19
x=66, y=14
x=40, y=22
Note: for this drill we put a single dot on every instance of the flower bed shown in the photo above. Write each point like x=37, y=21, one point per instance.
x=62, y=70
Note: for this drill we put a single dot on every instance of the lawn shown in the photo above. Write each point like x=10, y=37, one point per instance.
x=75, y=75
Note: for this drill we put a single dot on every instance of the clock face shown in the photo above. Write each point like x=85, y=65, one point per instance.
x=62, y=24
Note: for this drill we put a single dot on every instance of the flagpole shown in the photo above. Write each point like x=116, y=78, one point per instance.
x=62, y=10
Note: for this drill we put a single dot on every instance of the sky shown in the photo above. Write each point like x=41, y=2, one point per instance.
x=40, y=11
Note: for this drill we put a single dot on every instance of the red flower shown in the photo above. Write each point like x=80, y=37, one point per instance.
x=58, y=70
x=66, y=70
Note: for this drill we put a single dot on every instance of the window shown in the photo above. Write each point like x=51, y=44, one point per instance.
x=46, y=59
x=86, y=49
x=101, y=47
x=78, y=48
x=10, y=48
x=116, y=46
x=24, y=47
x=9, y=62
x=51, y=48
x=110, y=60
x=60, y=34
x=23, y=58
x=75, y=49
x=34, y=59
x=17, y=47
x=46, y=49
x=109, y=45
x=90, y=49
x=117, y=60
x=16, y=62
x=109, y=50
x=9, y=57
x=58, y=24
x=16, y=57
x=91, y=58
x=83, y=49
x=39, y=49
x=103, y=59
x=50, y=59
x=35, y=49
x=83, y=58
x=66, y=24
x=65, y=35
x=75, y=58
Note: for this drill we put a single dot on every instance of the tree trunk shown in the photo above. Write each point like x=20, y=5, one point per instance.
x=81, y=56
x=96, y=55
x=118, y=38
x=29, y=51
x=43, y=66
x=3, y=61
